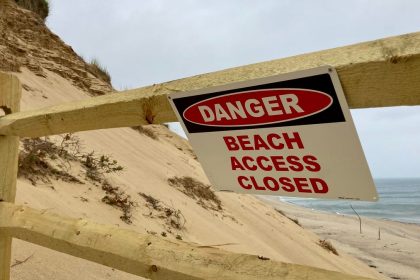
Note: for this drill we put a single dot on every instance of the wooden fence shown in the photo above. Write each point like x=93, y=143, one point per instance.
x=374, y=74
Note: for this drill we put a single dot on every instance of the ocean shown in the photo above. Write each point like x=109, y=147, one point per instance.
x=399, y=200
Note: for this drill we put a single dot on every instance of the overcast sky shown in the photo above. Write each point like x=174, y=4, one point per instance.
x=152, y=41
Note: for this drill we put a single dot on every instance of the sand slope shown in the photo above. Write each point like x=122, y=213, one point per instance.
x=245, y=225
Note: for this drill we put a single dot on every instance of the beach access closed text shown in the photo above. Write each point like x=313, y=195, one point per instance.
x=288, y=135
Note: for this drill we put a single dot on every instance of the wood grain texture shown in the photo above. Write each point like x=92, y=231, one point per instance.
x=10, y=91
x=379, y=73
x=146, y=255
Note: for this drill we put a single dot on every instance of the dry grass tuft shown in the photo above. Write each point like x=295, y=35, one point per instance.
x=151, y=201
x=43, y=159
x=146, y=131
x=295, y=220
x=40, y=7
x=327, y=246
x=173, y=218
x=98, y=165
x=195, y=189
x=280, y=212
x=119, y=199
x=99, y=71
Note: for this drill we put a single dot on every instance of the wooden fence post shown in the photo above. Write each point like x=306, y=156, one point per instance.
x=10, y=93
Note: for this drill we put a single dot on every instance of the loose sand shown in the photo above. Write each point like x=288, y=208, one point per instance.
x=247, y=224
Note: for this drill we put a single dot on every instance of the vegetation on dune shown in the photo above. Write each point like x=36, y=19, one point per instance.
x=146, y=131
x=327, y=246
x=118, y=199
x=195, y=189
x=40, y=7
x=43, y=159
x=99, y=71
x=295, y=220
x=174, y=219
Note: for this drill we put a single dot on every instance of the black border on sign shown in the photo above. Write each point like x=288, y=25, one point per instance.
x=320, y=82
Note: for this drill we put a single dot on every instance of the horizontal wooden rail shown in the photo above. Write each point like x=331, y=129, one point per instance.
x=379, y=73
x=145, y=255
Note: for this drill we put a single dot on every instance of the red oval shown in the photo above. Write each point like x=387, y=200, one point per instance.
x=258, y=107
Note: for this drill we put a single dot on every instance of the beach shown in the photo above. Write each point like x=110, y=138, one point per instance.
x=396, y=255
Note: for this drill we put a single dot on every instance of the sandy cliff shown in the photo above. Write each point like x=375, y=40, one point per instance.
x=26, y=42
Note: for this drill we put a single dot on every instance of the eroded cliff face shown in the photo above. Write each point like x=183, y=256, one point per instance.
x=25, y=41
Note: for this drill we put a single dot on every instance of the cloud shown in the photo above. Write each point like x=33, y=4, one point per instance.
x=391, y=140
x=146, y=42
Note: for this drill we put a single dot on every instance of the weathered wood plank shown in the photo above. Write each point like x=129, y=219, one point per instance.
x=146, y=255
x=9, y=146
x=380, y=73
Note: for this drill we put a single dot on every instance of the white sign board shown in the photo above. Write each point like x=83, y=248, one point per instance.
x=286, y=135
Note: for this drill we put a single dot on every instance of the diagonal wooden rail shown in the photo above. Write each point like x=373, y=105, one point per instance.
x=146, y=255
x=373, y=74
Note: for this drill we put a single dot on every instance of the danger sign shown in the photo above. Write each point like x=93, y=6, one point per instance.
x=286, y=135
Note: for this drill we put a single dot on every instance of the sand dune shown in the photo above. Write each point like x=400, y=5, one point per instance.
x=245, y=225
